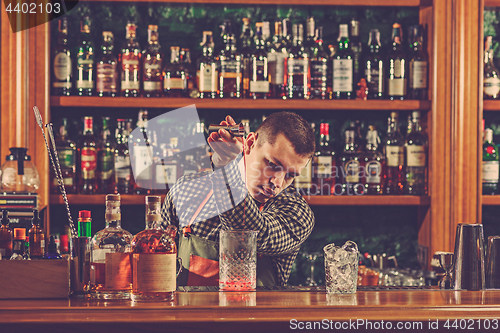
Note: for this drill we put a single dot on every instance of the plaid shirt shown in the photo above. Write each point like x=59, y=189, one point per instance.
x=283, y=224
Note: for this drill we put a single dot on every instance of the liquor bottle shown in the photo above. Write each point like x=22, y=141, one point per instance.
x=416, y=158
x=174, y=76
x=490, y=171
x=122, y=183
x=152, y=65
x=259, y=80
x=130, y=59
x=394, y=154
x=87, y=153
x=85, y=83
x=62, y=69
x=66, y=152
x=343, y=67
x=396, y=66
x=491, y=86
x=319, y=68
x=246, y=55
x=6, y=236
x=206, y=71
x=230, y=66
x=276, y=56
x=374, y=162
x=142, y=156
x=36, y=237
x=52, y=251
x=324, y=163
x=110, y=271
x=19, y=245
x=351, y=174
x=189, y=70
x=84, y=223
x=107, y=68
x=105, y=159
x=297, y=78
x=357, y=49
x=310, y=43
x=374, y=67
x=154, y=257
x=418, y=64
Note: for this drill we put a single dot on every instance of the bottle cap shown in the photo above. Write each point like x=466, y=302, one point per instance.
x=84, y=214
x=153, y=27
x=19, y=233
x=153, y=198
x=112, y=197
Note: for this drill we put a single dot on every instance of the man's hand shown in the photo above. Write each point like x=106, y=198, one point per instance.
x=225, y=147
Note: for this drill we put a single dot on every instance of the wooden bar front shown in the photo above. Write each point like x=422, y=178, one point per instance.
x=262, y=311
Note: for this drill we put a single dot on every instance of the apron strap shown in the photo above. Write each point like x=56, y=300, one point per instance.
x=186, y=230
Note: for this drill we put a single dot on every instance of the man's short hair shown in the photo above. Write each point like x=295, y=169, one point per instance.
x=295, y=128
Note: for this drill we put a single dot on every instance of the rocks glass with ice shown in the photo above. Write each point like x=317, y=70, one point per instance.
x=237, y=260
x=341, y=268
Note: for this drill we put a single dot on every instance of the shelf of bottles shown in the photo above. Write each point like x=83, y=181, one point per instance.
x=319, y=200
x=399, y=3
x=270, y=104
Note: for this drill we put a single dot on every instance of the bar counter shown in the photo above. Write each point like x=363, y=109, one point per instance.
x=263, y=311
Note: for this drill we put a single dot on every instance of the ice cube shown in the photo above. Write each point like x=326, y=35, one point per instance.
x=341, y=255
x=350, y=246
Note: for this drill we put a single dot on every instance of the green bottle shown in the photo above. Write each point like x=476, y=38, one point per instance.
x=490, y=164
x=84, y=223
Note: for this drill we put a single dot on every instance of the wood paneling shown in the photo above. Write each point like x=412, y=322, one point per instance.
x=402, y=3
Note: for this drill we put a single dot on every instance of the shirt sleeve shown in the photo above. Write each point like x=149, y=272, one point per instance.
x=284, y=223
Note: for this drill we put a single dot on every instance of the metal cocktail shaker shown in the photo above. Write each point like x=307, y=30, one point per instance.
x=80, y=266
x=468, y=262
x=493, y=263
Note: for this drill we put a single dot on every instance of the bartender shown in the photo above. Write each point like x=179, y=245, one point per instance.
x=250, y=188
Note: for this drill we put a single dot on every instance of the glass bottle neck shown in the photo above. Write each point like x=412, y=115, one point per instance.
x=153, y=215
x=113, y=214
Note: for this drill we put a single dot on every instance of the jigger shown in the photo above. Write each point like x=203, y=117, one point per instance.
x=493, y=262
x=468, y=262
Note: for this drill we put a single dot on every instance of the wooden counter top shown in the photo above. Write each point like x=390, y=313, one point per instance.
x=261, y=311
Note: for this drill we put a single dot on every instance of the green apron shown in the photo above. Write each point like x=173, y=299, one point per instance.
x=210, y=250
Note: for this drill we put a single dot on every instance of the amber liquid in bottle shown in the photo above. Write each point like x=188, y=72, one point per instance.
x=62, y=70
x=174, y=76
x=231, y=67
x=130, y=59
x=107, y=68
x=394, y=154
x=6, y=236
x=206, y=72
x=37, y=238
x=152, y=65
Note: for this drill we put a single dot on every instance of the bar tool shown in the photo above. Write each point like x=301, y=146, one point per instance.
x=80, y=266
x=468, y=262
x=446, y=263
x=56, y=166
x=493, y=262
x=237, y=130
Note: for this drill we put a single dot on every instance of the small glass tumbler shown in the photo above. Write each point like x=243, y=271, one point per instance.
x=237, y=260
x=341, y=268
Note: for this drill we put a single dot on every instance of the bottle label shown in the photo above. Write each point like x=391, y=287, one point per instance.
x=118, y=274
x=259, y=86
x=230, y=66
x=152, y=75
x=207, y=78
x=415, y=156
x=394, y=155
x=106, y=78
x=490, y=171
x=305, y=177
x=62, y=67
x=319, y=74
x=122, y=168
x=324, y=166
x=174, y=83
x=143, y=157
x=373, y=172
x=418, y=75
x=297, y=66
x=342, y=75
x=491, y=86
x=375, y=80
x=88, y=162
x=152, y=86
x=106, y=164
x=66, y=157
x=154, y=272
x=166, y=174
x=276, y=67
x=85, y=84
x=68, y=181
x=130, y=71
x=351, y=169
x=397, y=87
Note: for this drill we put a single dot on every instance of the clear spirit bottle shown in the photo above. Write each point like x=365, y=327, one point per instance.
x=130, y=59
x=152, y=65
x=154, y=257
x=416, y=158
x=110, y=271
x=394, y=154
x=351, y=174
x=85, y=84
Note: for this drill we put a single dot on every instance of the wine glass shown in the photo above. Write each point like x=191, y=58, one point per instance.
x=311, y=258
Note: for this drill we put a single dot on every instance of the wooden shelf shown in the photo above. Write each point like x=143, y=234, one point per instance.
x=491, y=105
x=491, y=3
x=491, y=200
x=274, y=104
x=366, y=200
x=401, y=3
